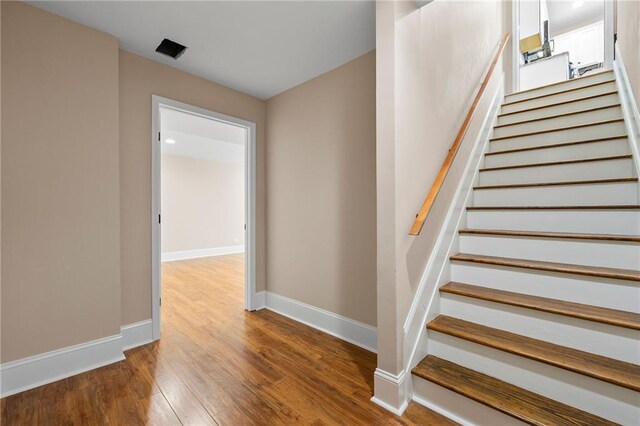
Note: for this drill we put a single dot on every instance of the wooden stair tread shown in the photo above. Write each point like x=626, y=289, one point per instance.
x=560, y=307
x=596, y=366
x=567, y=268
x=505, y=114
x=583, y=207
x=509, y=399
x=600, y=83
x=562, y=114
x=558, y=129
x=563, y=183
x=556, y=235
x=556, y=145
x=558, y=163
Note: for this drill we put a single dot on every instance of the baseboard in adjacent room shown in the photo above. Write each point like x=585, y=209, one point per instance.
x=352, y=331
x=194, y=254
x=28, y=373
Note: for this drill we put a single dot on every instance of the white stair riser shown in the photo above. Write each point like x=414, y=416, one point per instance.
x=594, y=194
x=600, y=339
x=587, y=221
x=572, y=152
x=609, y=169
x=596, y=291
x=605, y=130
x=559, y=122
x=555, y=88
x=595, y=396
x=552, y=110
x=466, y=411
x=557, y=98
x=625, y=255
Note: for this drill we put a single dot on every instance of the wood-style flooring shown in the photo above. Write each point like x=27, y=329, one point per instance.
x=218, y=364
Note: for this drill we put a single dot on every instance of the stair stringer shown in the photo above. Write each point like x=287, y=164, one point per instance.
x=426, y=302
x=629, y=108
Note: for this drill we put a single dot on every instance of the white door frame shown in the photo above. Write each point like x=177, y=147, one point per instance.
x=609, y=30
x=250, y=201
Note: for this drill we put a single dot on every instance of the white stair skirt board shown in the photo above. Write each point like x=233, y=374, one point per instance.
x=194, y=254
x=555, y=88
x=38, y=370
x=137, y=334
x=595, y=396
x=629, y=106
x=606, y=148
x=436, y=272
x=456, y=407
x=586, y=92
x=562, y=108
x=344, y=328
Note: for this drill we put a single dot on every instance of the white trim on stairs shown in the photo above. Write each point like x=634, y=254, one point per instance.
x=344, y=328
x=629, y=106
x=434, y=275
x=194, y=254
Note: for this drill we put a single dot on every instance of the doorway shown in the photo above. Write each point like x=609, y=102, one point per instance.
x=203, y=163
x=559, y=40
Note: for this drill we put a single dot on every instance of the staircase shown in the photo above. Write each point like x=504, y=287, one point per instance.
x=540, y=323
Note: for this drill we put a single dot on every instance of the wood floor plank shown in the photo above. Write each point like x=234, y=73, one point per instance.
x=217, y=362
x=567, y=268
x=519, y=403
x=560, y=307
x=599, y=367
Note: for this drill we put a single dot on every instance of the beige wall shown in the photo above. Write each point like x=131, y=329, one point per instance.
x=139, y=79
x=628, y=22
x=430, y=63
x=321, y=191
x=202, y=204
x=60, y=193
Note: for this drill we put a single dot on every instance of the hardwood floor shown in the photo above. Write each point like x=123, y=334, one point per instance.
x=218, y=364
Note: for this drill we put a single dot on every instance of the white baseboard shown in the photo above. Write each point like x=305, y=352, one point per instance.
x=352, y=331
x=629, y=107
x=31, y=372
x=194, y=254
x=38, y=370
x=136, y=334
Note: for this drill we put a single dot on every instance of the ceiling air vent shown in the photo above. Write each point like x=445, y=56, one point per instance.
x=171, y=48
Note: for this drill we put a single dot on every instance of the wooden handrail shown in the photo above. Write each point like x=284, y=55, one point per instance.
x=421, y=217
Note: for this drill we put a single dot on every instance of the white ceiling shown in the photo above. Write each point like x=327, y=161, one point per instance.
x=258, y=47
x=564, y=17
x=201, y=138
